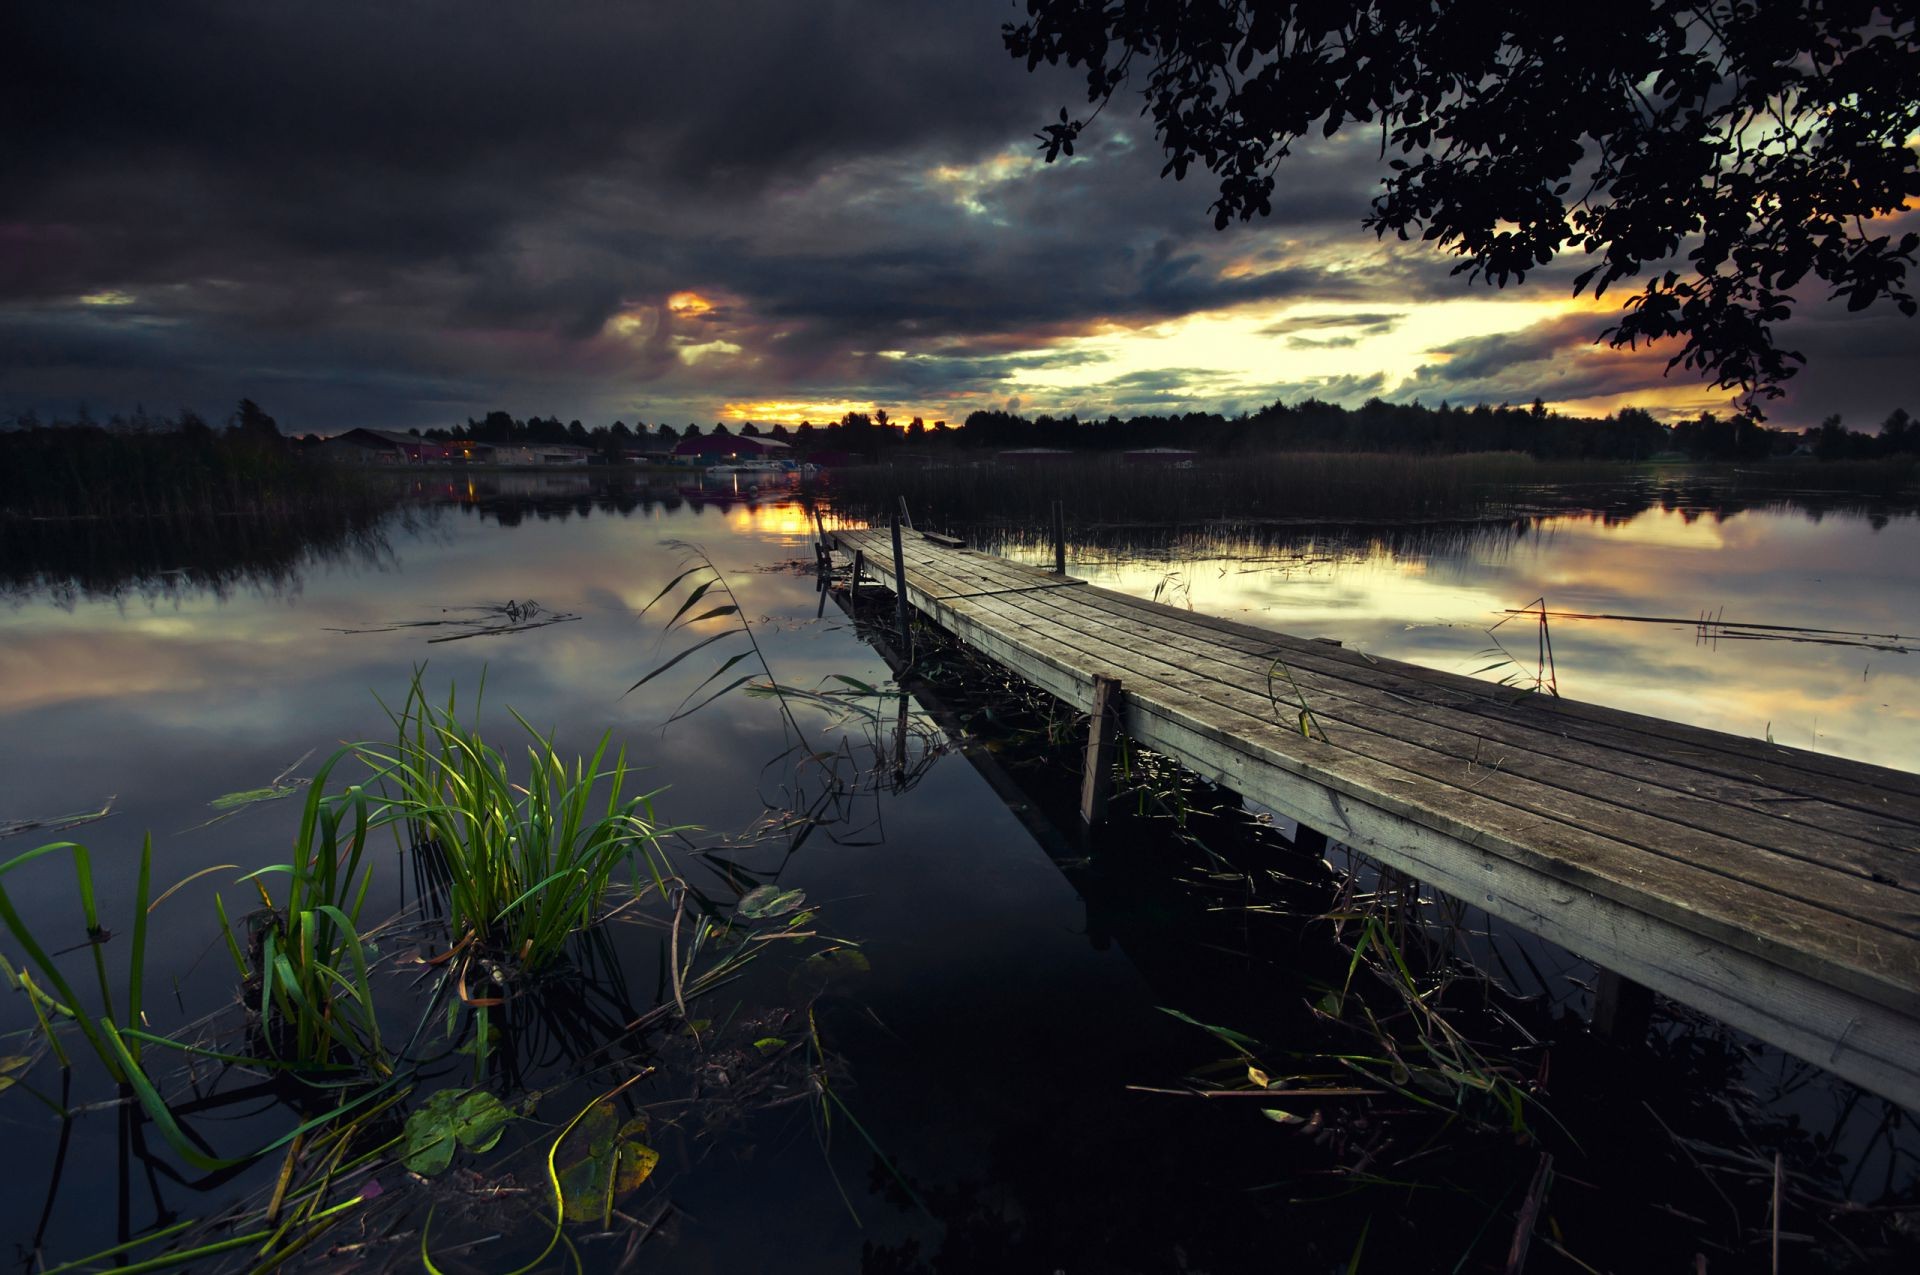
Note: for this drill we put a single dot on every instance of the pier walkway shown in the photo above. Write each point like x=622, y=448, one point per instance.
x=1775, y=889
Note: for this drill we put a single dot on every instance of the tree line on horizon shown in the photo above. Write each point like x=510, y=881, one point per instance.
x=38, y=452
x=1310, y=425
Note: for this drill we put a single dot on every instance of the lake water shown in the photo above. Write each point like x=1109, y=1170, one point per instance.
x=988, y=1048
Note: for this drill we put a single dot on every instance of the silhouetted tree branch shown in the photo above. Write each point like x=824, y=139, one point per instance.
x=1759, y=138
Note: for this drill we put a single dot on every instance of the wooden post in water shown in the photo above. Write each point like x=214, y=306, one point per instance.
x=859, y=566
x=1622, y=1009
x=1097, y=781
x=1310, y=840
x=1059, y=540
x=900, y=582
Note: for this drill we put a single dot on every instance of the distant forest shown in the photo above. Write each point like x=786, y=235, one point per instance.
x=1375, y=426
x=174, y=465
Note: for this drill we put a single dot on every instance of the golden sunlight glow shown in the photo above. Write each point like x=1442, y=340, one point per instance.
x=688, y=303
x=787, y=519
x=792, y=412
x=1233, y=347
x=111, y=296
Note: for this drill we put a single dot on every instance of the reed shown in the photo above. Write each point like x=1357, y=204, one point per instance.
x=305, y=962
x=526, y=863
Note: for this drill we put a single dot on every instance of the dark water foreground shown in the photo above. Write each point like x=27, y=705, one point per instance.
x=1001, y=1038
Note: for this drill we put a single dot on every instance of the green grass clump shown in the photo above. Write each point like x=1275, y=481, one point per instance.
x=304, y=961
x=528, y=863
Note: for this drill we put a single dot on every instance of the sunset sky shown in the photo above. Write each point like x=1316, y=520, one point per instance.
x=405, y=214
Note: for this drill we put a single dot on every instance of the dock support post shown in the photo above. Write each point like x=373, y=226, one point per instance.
x=900, y=583
x=1309, y=840
x=1622, y=1009
x=859, y=567
x=1096, y=784
x=1059, y=540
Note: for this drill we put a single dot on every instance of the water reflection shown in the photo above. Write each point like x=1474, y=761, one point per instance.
x=171, y=695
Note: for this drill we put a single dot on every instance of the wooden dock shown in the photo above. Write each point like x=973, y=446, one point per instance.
x=1775, y=889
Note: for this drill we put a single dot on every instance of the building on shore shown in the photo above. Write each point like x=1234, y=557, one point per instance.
x=385, y=447
x=541, y=454
x=711, y=449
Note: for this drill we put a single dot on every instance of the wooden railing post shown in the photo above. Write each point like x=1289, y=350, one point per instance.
x=1096, y=784
x=1622, y=1009
x=899, y=581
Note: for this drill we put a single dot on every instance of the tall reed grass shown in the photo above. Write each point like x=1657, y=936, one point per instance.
x=528, y=863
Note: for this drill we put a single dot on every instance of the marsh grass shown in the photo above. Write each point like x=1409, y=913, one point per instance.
x=305, y=963
x=524, y=863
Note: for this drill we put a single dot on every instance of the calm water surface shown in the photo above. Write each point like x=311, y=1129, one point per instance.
x=989, y=1045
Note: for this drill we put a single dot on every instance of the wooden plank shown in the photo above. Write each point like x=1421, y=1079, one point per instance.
x=1819, y=828
x=1782, y=928
x=1823, y=833
x=1822, y=1021
x=946, y=579
x=1738, y=942
x=1454, y=772
x=1890, y=816
x=1570, y=715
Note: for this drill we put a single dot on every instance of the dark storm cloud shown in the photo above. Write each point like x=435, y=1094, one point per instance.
x=404, y=213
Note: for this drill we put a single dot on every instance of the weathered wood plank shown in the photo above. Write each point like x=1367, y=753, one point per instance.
x=1787, y=779
x=1646, y=848
x=1570, y=715
x=1827, y=835
x=1822, y=1019
x=1453, y=770
x=1787, y=771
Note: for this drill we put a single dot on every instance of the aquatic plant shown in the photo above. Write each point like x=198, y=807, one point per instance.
x=526, y=864
x=304, y=960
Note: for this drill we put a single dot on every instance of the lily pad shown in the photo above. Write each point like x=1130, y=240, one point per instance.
x=770, y=901
x=604, y=1160
x=473, y=1120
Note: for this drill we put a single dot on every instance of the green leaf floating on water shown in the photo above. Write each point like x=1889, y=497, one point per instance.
x=770, y=900
x=601, y=1161
x=472, y=1120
